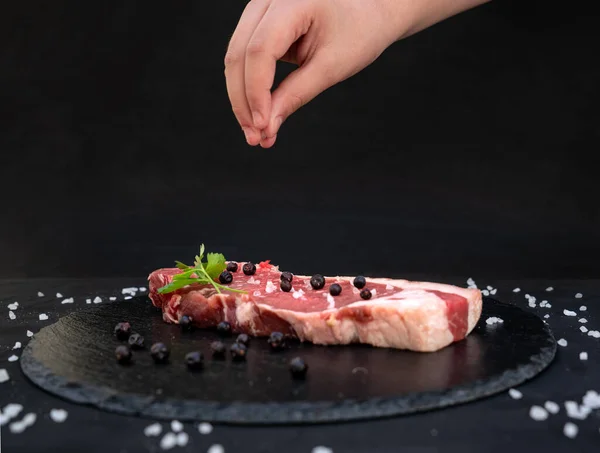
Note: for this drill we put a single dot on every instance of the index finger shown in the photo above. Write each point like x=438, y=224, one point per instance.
x=280, y=27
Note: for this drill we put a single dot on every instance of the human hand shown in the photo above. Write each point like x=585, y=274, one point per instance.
x=329, y=40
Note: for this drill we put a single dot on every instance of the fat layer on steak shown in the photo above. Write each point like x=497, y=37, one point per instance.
x=402, y=314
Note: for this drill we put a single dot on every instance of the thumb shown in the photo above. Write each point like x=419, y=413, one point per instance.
x=296, y=90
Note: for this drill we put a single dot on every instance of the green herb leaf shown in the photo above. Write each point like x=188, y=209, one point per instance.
x=182, y=266
x=215, y=264
x=177, y=284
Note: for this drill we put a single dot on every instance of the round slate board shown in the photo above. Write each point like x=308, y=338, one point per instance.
x=74, y=359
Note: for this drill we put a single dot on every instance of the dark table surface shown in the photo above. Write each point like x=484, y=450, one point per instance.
x=498, y=423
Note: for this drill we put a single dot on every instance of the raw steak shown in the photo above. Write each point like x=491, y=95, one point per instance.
x=401, y=314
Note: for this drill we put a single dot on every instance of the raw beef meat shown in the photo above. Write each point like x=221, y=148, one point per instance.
x=401, y=314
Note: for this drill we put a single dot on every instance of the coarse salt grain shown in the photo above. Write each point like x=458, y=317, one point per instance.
x=549, y=288
x=88, y=301
x=176, y=426
x=562, y=342
x=142, y=289
x=373, y=292
x=17, y=345
x=298, y=294
x=113, y=298
x=389, y=287
x=516, y=290
x=570, y=430
x=584, y=329
x=576, y=411
x=43, y=317
x=153, y=430
x=40, y=294
x=270, y=287
x=470, y=281
x=578, y=296
x=552, y=407
x=58, y=415
x=205, y=428
x=331, y=302
x=13, y=306
x=97, y=300
x=569, y=313
x=23, y=424
x=494, y=291
x=127, y=297
x=546, y=316
x=10, y=411
x=322, y=449
x=58, y=295
x=538, y=413
x=29, y=333
x=582, y=320
x=182, y=439
x=12, y=315
x=583, y=308
x=68, y=301
x=168, y=441
x=591, y=399
x=531, y=303
x=583, y=355
x=493, y=320
x=4, y=377
x=515, y=394
x=489, y=287
x=256, y=293
x=216, y=448
x=13, y=358
x=131, y=291
x=485, y=292
x=594, y=334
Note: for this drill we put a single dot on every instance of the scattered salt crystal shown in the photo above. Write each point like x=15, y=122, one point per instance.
x=58, y=415
x=176, y=426
x=570, y=430
x=331, y=302
x=494, y=291
x=485, y=292
x=23, y=424
x=531, y=303
x=88, y=301
x=321, y=449
x=576, y=411
x=3, y=376
x=389, y=287
x=112, y=298
x=516, y=290
x=11, y=411
x=594, y=333
x=131, y=291
x=552, y=407
x=591, y=399
x=583, y=355
x=543, y=303
x=142, y=289
x=40, y=294
x=215, y=448
x=548, y=306
x=13, y=306
x=515, y=394
x=127, y=297
x=569, y=313
x=58, y=295
x=546, y=316
x=68, y=301
x=583, y=308
x=17, y=345
x=97, y=300
x=257, y=293
x=12, y=315
x=538, y=413
x=578, y=296
x=153, y=430
x=582, y=320
x=373, y=292
x=252, y=281
x=43, y=317
x=298, y=294
x=168, y=441
x=562, y=342
x=205, y=428
x=490, y=288
x=29, y=333
x=584, y=329
x=527, y=296
x=182, y=439
x=13, y=358
x=493, y=320
x=270, y=287
x=549, y=288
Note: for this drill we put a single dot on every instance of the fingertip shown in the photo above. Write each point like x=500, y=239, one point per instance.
x=259, y=120
x=253, y=137
x=273, y=128
x=268, y=142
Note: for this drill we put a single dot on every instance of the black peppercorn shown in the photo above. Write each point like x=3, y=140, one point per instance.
x=317, y=281
x=243, y=339
x=194, y=360
x=225, y=277
x=123, y=330
x=159, y=352
x=360, y=282
x=185, y=322
x=218, y=349
x=298, y=368
x=238, y=351
x=285, y=286
x=123, y=354
x=224, y=328
x=365, y=294
x=287, y=276
x=136, y=341
x=276, y=341
x=232, y=266
x=249, y=269
x=335, y=289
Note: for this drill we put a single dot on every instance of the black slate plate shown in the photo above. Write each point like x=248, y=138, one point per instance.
x=74, y=359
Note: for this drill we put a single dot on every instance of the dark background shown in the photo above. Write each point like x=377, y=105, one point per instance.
x=468, y=149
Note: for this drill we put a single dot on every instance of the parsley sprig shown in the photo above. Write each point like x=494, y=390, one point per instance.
x=202, y=273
